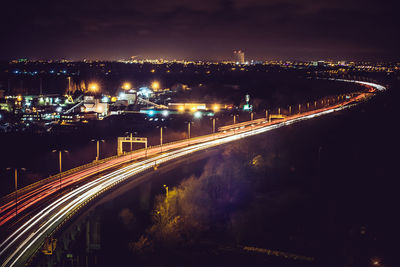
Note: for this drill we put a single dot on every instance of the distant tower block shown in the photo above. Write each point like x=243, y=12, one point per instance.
x=238, y=56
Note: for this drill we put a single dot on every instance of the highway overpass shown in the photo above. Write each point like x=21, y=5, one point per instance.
x=26, y=235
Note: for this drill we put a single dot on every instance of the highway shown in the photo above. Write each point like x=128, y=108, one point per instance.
x=29, y=234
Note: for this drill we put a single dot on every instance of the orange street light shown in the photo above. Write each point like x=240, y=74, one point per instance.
x=155, y=85
x=216, y=108
x=127, y=86
x=94, y=87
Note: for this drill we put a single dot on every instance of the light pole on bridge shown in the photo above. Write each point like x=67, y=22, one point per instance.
x=60, y=160
x=16, y=187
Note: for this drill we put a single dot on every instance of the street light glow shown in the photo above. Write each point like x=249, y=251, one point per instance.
x=127, y=86
x=155, y=85
x=94, y=87
x=216, y=108
x=197, y=114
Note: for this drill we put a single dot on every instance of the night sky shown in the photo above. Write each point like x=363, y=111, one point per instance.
x=202, y=29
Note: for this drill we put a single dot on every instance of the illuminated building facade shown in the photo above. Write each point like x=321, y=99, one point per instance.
x=238, y=56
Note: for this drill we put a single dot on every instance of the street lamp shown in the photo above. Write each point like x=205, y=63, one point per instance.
x=93, y=87
x=213, y=126
x=161, y=135
x=189, y=122
x=126, y=86
x=155, y=85
x=98, y=147
x=60, y=160
x=16, y=187
x=234, y=118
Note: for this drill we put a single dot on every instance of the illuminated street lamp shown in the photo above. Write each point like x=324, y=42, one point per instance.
x=181, y=108
x=16, y=187
x=60, y=160
x=93, y=87
x=155, y=85
x=127, y=86
x=216, y=108
x=197, y=115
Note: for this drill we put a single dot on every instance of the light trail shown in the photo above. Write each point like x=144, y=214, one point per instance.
x=28, y=238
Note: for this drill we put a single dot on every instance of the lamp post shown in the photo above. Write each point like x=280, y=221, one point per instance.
x=60, y=160
x=98, y=147
x=16, y=187
x=131, y=143
x=213, y=125
x=161, y=136
x=188, y=123
x=251, y=115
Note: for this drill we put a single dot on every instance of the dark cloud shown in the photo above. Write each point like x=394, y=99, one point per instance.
x=208, y=29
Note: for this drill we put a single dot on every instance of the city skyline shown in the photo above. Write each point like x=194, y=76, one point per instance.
x=311, y=30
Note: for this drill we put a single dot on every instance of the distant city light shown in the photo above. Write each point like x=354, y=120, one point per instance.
x=105, y=99
x=93, y=87
x=247, y=107
x=155, y=85
x=127, y=86
x=145, y=92
x=165, y=113
x=216, y=108
x=197, y=114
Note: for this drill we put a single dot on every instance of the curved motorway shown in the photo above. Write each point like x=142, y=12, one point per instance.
x=40, y=221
